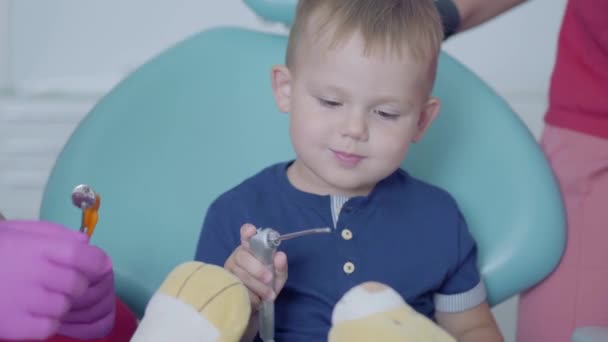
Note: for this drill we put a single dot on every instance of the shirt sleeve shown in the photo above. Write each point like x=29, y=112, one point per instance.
x=463, y=288
x=219, y=237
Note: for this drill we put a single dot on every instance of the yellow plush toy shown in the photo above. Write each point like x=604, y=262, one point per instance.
x=375, y=312
x=199, y=302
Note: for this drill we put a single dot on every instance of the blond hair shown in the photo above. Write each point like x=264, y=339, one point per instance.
x=414, y=25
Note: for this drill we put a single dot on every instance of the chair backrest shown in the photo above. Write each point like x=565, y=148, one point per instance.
x=200, y=117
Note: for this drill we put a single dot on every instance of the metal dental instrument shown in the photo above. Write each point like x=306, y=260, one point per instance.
x=264, y=245
x=84, y=198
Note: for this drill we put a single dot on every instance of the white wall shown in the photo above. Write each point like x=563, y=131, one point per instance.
x=58, y=57
x=4, y=45
x=74, y=45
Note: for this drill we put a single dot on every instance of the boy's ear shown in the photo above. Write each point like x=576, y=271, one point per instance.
x=427, y=116
x=281, y=87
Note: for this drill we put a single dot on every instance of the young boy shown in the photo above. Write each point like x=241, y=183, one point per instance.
x=357, y=85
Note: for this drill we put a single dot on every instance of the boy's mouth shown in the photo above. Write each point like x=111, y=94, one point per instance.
x=347, y=159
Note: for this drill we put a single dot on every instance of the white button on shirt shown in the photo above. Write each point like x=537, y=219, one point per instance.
x=349, y=267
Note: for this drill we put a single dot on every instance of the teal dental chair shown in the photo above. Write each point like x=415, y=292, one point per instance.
x=200, y=117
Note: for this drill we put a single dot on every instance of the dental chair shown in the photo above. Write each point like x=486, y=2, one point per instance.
x=200, y=117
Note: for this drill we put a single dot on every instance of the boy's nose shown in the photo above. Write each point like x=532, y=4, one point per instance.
x=355, y=127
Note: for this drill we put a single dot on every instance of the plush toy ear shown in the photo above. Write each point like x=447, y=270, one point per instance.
x=375, y=312
x=196, y=302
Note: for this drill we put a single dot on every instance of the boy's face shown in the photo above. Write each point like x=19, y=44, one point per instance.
x=353, y=116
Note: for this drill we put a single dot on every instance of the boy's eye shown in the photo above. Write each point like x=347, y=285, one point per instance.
x=329, y=103
x=386, y=115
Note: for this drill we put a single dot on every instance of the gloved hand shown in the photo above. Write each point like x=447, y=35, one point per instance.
x=92, y=314
x=52, y=280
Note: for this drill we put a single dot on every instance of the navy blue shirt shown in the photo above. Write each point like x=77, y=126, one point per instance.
x=406, y=234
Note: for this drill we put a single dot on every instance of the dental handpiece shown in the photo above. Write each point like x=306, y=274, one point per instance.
x=263, y=246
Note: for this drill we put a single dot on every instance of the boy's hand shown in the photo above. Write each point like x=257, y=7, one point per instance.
x=253, y=273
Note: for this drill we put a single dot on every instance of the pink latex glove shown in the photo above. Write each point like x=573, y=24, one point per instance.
x=92, y=314
x=52, y=280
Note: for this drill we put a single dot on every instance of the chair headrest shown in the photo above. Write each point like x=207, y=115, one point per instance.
x=281, y=11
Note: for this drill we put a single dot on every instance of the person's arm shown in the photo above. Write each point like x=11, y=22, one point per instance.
x=475, y=12
x=473, y=325
x=461, y=15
